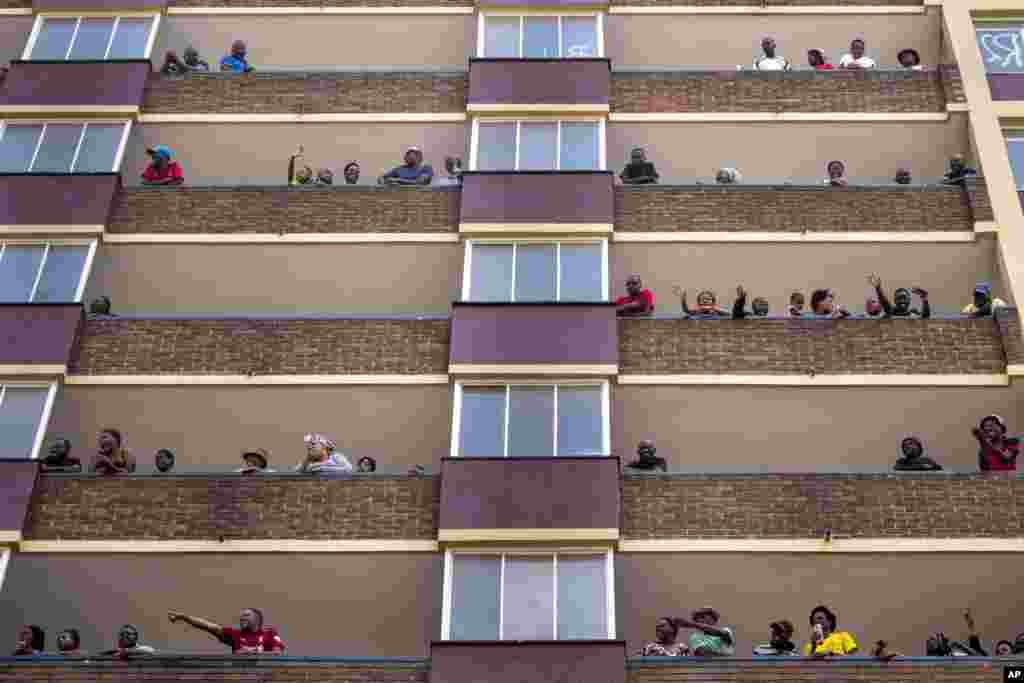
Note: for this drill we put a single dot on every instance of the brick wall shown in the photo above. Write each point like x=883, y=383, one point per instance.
x=805, y=505
x=208, y=508
x=233, y=210
x=1008, y=321
x=790, y=209
x=123, y=346
x=976, y=191
x=805, y=91
x=783, y=347
x=307, y=93
x=802, y=671
x=952, y=83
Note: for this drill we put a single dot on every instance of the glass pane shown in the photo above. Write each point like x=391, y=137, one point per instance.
x=19, y=266
x=496, y=148
x=475, y=596
x=581, y=273
x=537, y=143
x=580, y=146
x=540, y=37
x=1016, y=151
x=482, y=423
x=582, y=597
x=54, y=39
x=20, y=412
x=531, y=422
x=93, y=36
x=579, y=421
x=579, y=36
x=131, y=38
x=529, y=599
x=1002, y=48
x=17, y=146
x=491, y=276
x=99, y=148
x=536, y=272
x=61, y=274
x=58, y=148
x=501, y=37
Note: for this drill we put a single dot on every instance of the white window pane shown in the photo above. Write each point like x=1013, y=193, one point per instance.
x=579, y=421
x=531, y=422
x=580, y=149
x=501, y=37
x=536, y=274
x=537, y=143
x=58, y=148
x=581, y=272
x=475, y=596
x=17, y=146
x=1002, y=48
x=529, y=599
x=93, y=36
x=99, y=148
x=19, y=267
x=54, y=39
x=482, y=422
x=491, y=277
x=1016, y=151
x=20, y=412
x=540, y=37
x=579, y=36
x=131, y=38
x=496, y=147
x=61, y=274
x=582, y=597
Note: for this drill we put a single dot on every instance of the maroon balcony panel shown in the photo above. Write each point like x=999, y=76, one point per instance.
x=488, y=493
x=578, y=334
x=538, y=197
x=1006, y=86
x=38, y=334
x=565, y=661
x=542, y=4
x=539, y=81
x=97, y=5
x=17, y=479
x=31, y=199
x=84, y=84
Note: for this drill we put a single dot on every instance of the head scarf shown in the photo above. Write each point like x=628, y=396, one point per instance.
x=319, y=440
x=161, y=150
x=911, y=437
x=998, y=420
x=984, y=288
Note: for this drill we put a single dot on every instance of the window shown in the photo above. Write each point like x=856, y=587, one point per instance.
x=91, y=38
x=544, y=36
x=1015, y=149
x=41, y=272
x=1002, y=47
x=531, y=420
x=528, y=596
x=535, y=271
x=62, y=147
x=24, y=413
x=538, y=145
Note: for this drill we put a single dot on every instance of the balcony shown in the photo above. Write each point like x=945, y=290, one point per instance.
x=559, y=202
x=550, y=85
x=32, y=202
x=39, y=339
x=97, y=5
x=842, y=670
x=18, y=479
x=100, y=87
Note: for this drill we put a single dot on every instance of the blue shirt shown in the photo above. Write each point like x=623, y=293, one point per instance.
x=410, y=172
x=235, y=64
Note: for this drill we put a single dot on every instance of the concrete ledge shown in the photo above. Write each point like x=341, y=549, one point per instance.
x=381, y=117
x=823, y=380
x=938, y=237
x=277, y=11
x=251, y=380
x=233, y=546
x=526, y=535
x=287, y=238
x=846, y=545
x=759, y=11
x=533, y=369
x=786, y=117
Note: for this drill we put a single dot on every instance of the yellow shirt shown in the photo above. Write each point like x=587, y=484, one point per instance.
x=838, y=643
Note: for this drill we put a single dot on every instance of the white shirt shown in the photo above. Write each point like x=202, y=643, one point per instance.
x=776, y=63
x=864, y=62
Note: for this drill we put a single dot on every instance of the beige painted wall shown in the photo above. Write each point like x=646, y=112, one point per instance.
x=257, y=154
x=14, y=32
x=795, y=152
x=325, y=42
x=207, y=427
x=900, y=598
x=809, y=429
x=695, y=41
x=947, y=271
x=382, y=605
x=272, y=279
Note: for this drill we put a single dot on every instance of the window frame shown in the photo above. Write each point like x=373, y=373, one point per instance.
x=1015, y=137
x=37, y=27
x=467, y=262
x=83, y=278
x=503, y=553
x=602, y=142
x=481, y=29
x=118, y=154
x=507, y=384
x=44, y=418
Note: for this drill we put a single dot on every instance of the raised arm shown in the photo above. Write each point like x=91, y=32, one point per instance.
x=683, y=622
x=883, y=300
x=926, y=307
x=214, y=629
x=739, y=307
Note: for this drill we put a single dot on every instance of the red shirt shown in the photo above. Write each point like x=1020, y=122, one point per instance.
x=823, y=67
x=645, y=295
x=169, y=170
x=264, y=640
x=991, y=460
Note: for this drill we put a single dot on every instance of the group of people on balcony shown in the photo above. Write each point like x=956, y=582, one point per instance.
x=235, y=61
x=856, y=59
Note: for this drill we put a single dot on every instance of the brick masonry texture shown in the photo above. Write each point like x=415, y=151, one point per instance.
x=798, y=347
x=977, y=196
x=804, y=506
x=806, y=91
x=234, y=508
x=695, y=208
x=306, y=93
x=122, y=346
x=1008, y=321
x=469, y=3
x=248, y=209
x=733, y=671
x=952, y=83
